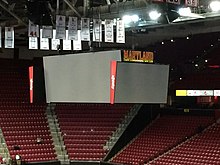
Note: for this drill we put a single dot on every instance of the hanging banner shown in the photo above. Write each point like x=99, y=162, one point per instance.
x=67, y=43
x=44, y=42
x=47, y=32
x=112, y=81
x=77, y=45
x=33, y=30
x=157, y=0
x=9, y=37
x=173, y=1
x=60, y=27
x=192, y=3
x=33, y=43
x=55, y=43
x=109, y=31
x=97, y=30
x=72, y=28
x=120, y=31
x=31, y=81
x=0, y=37
x=85, y=33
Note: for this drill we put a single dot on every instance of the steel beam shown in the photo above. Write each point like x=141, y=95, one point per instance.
x=12, y=13
x=73, y=8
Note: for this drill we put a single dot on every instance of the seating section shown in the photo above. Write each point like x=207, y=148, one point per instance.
x=22, y=123
x=21, y=126
x=164, y=134
x=87, y=127
x=203, y=149
x=14, y=83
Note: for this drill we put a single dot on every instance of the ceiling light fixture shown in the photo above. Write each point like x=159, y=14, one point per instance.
x=185, y=11
x=130, y=18
x=215, y=6
x=154, y=15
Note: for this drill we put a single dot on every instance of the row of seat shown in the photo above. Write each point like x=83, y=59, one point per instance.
x=86, y=126
x=164, y=134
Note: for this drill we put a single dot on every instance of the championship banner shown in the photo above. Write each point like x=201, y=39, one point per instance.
x=173, y=1
x=85, y=33
x=33, y=43
x=44, y=42
x=67, y=43
x=0, y=37
x=9, y=37
x=97, y=30
x=55, y=43
x=77, y=45
x=33, y=30
x=120, y=31
x=31, y=81
x=113, y=66
x=109, y=31
x=60, y=27
x=47, y=32
x=157, y=0
x=72, y=28
x=192, y=3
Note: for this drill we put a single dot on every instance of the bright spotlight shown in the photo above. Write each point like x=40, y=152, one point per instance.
x=126, y=19
x=154, y=15
x=130, y=18
x=134, y=18
x=186, y=11
x=215, y=6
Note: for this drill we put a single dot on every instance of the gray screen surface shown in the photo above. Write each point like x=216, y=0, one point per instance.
x=141, y=83
x=81, y=77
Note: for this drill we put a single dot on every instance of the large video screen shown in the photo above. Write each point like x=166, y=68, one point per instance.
x=141, y=83
x=80, y=77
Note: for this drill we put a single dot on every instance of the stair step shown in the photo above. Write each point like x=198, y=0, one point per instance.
x=54, y=127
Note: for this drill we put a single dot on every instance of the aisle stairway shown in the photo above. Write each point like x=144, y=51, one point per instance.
x=4, y=153
x=57, y=135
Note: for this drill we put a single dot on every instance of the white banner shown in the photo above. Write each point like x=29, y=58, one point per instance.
x=33, y=43
x=47, y=32
x=33, y=30
x=173, y=1
x=97, y=30
x=120, y=31
x=0, y=37
x=191, y=3
x=44, y=42
x=200, y=93
x=72, y=28
x=60, y=27
x=77, y=45
x=85, y=33
x=9, y=37
x=67, y=43
x=216, y=92
x=55, y=43
x=109, y=31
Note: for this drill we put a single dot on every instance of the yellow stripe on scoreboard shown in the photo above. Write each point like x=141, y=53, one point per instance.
x=181, y=92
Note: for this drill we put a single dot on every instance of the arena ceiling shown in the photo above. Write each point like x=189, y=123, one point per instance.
x=182, y=42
